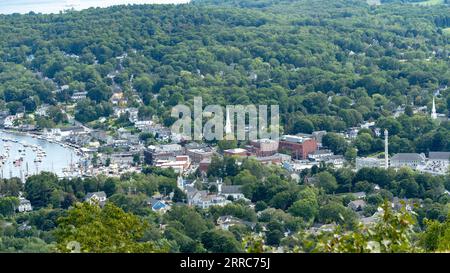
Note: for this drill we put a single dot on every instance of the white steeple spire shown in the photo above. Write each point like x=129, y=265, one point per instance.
x=433, y=110
x=228, y=129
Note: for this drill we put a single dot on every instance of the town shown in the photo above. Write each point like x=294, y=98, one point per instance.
x=128, y=151
x=355, y=158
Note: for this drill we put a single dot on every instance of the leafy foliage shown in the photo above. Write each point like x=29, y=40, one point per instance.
x=89, y=228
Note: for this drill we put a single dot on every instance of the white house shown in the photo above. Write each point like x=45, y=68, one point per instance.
x=234, y=191
x=24, y=205
x=96, y=198
x=203, y=199
x=77, y=96
x=227, y=221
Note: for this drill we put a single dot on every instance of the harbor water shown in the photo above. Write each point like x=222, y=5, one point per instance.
x=55, y=6
x=23, y=155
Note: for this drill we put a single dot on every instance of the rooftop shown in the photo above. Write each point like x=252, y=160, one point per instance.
x=166, y=148
x=408, y=157
x=439, y=156
x=236, y=151
x=100, y=194
x=322, y=152
x=296, y=139
x=231, y=189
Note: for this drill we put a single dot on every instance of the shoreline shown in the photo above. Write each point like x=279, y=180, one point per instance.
x=12, y=135
x=58, y=7
x=71, y=146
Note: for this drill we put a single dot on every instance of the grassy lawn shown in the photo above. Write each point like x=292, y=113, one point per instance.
x=374, y=2
x=430, y=2
x=446, y=31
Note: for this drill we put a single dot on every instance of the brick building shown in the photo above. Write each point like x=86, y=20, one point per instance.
x=299, y=147
x=263, y=147
x=197, y=155
x=204, y=165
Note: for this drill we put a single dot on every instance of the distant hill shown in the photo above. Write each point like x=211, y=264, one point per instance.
x=419, y=2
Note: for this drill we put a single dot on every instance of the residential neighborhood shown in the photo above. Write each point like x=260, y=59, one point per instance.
x=231, y=126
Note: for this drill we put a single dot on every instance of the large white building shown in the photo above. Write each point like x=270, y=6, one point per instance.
x=412, y=160
x=369, y=162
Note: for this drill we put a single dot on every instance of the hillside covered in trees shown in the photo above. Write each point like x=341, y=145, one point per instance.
x=329, y=65
x=367, y=60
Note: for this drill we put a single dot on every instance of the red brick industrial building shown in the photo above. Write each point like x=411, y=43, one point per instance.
x=299, y=147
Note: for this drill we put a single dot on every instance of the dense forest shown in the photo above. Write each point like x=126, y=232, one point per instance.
x=329, y=65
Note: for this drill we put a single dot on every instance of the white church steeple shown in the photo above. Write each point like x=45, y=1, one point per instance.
x=228, y=127
x=433, y=110
x=228, y=123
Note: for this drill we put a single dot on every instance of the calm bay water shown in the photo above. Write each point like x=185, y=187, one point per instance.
x=55, y=6
x=56, y=160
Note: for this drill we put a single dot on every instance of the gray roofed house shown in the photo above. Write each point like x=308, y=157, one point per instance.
x=357, y=205
x=227, y=221
x=202, y=199
x=231, y=190
x=96, y=197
